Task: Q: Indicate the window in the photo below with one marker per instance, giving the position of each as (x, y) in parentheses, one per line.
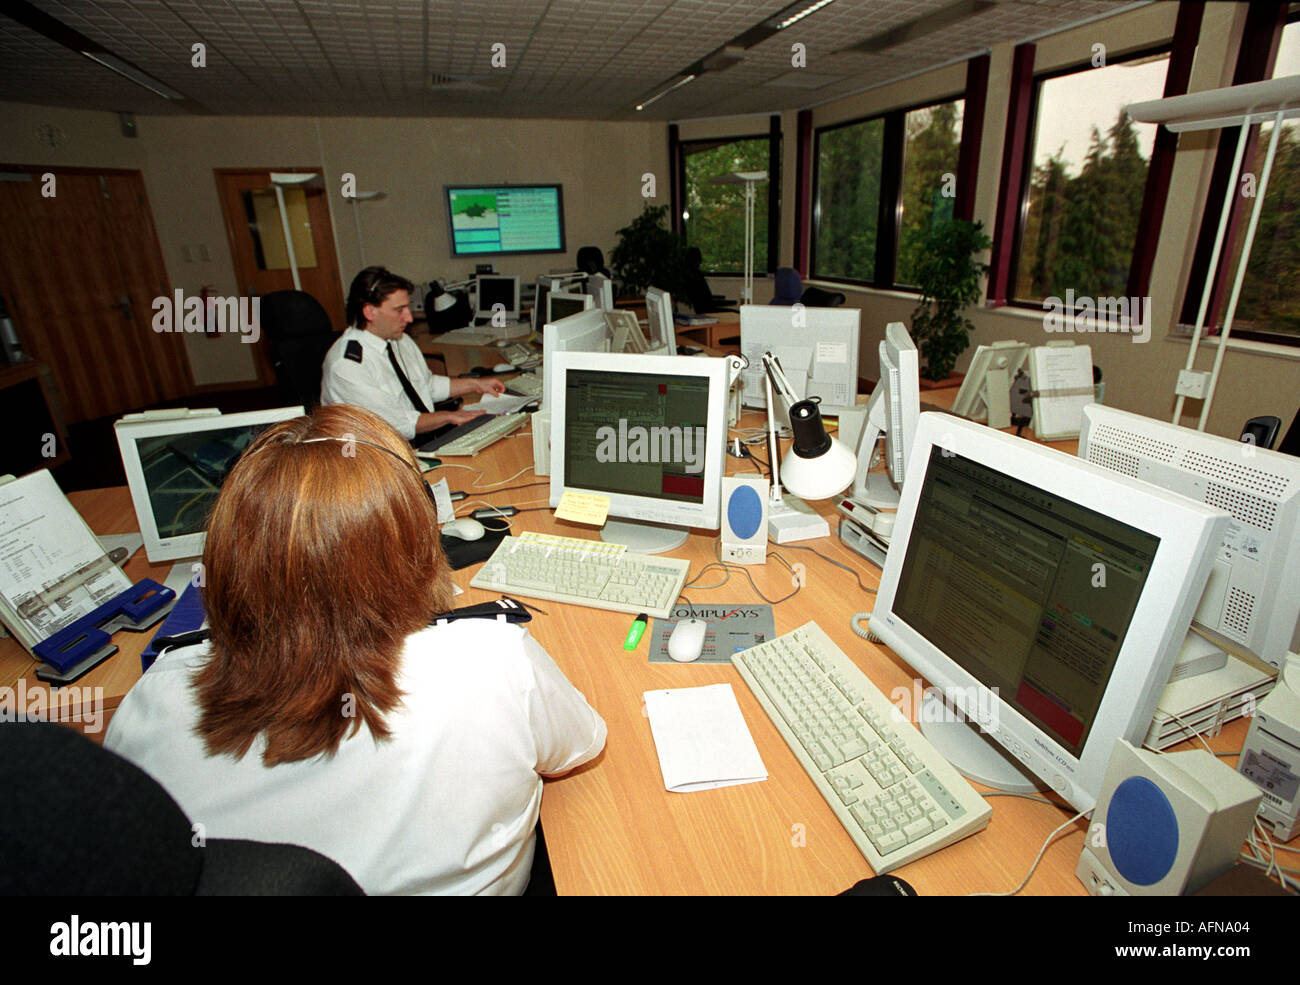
(880, 183)
(929, 178)
(713, 216)
(1086, 180)
(1269, 306)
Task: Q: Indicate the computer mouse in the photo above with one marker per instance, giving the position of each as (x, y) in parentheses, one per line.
(503, 368)
(466, 528)
(687, 640)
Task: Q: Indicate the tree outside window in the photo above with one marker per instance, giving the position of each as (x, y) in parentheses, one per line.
(714, 217)
(933, 144)
(847, 210)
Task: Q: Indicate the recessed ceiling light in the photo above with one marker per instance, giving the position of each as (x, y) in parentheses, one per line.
(129, 71)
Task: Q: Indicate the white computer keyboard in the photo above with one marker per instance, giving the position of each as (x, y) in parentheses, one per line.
(483, 436)
(895, 795)
(526, 384)
(584, 572)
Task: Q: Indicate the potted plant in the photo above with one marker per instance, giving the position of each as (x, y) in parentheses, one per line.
(649, 254)
(949, 278)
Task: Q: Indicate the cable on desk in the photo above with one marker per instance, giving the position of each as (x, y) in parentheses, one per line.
(728, 568)
(855, 623)
(831, 560)
(1039, 798)
(1041, 852)
(1264, 856)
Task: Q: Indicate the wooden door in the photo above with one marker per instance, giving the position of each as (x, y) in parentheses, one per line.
(80, 266)
(256, 235)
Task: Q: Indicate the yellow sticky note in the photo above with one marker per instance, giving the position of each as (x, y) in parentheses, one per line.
(590, 508)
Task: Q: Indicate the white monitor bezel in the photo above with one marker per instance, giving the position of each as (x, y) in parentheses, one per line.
(705, 515)
(898, 354)
(601, 290)
(587, 301)
(512, 312)
(1188, 533)
(159, 548)
(763, 326)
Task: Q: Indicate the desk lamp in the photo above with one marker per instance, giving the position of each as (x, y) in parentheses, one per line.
(279, 181)
(446, 307)
(817, 466)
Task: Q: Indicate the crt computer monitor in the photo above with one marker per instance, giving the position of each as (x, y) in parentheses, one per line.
(648, 432)
(175, 467)
(660, 331)
(493, 290)
(817, 349)
(1043, 597)
(1252, 601)
(585, 331)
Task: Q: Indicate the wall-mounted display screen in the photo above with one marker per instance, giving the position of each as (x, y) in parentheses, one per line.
(487, 219)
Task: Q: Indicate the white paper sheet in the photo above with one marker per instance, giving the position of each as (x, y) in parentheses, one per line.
(701, 738)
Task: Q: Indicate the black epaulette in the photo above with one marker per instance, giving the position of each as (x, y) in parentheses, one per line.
(504, 609)
(353, 351)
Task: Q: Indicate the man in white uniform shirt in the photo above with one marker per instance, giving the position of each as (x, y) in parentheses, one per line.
(376, 365)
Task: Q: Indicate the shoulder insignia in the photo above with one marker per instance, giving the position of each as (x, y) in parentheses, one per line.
(504, 609)
(353, 351)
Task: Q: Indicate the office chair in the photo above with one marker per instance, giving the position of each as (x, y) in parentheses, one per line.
(817, 297)
(789, 287)
(592, 261)
(1291, 441)
(1261, 431)
(300, 333)
(698, 295)
(78, 820)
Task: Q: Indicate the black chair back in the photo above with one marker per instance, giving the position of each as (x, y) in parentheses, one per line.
(299, 333)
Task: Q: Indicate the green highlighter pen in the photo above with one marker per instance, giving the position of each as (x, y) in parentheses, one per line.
(634, 634)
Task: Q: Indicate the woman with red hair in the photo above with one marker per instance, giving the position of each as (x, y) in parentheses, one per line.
(324, 710)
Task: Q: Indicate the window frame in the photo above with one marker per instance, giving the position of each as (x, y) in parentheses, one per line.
(1027, 165)
(1256, 35)
(774, 138)
(889, 211)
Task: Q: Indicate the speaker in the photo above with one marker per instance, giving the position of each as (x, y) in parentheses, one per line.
(744, 519)
(1165, 825)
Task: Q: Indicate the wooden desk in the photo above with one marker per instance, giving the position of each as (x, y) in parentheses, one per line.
(610, 826)
(728, 324)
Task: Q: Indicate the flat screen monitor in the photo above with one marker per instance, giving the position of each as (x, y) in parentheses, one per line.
(175, 468)
(1043, 598)
(601, 289)
(495, 290)
(585, 331)
(1252, 602)
(892, 411)
(660, 332)
(1000, 360)
(648, 432)
(817, 348)
(495, 219)
(562, 304)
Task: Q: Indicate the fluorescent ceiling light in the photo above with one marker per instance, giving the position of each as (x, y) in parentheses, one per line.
(660, 95)
(129, 71)
(794, 18)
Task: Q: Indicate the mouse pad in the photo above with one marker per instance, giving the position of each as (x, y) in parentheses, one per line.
(463, 553)
(731, 628)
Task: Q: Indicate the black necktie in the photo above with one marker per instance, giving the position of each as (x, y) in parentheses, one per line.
(406, 383)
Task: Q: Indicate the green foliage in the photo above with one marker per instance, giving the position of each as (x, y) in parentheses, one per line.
(949, 278)
(716, 213)
(848, 200)
(933, 148)
(649, 253)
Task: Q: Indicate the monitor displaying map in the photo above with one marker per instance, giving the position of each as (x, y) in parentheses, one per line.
(488, 219)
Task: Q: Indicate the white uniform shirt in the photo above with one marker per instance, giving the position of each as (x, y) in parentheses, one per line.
(362, 375)
(448, 804)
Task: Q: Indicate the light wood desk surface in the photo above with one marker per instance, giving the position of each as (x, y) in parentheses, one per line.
(610, 825)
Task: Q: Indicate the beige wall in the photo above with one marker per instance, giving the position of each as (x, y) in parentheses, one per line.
(1256, 379)
(600, 165)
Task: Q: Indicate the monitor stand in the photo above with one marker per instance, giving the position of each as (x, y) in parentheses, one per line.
(642, 537)
(970, 751)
